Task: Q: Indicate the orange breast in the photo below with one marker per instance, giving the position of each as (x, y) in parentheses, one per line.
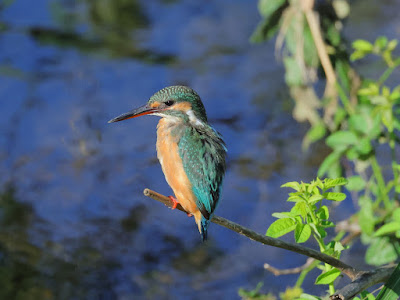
(171, 164)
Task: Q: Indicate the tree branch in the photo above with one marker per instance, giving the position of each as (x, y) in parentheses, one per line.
(296, 270)
(364, 281)
(351, 272)
(315, 29)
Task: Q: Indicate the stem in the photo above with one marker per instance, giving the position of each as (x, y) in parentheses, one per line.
(305, 272)
(381, 182)
(331, 288)
(345, 99)
(387, 73)
(392, 144)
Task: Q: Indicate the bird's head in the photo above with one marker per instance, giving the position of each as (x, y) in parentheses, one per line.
(173, 102)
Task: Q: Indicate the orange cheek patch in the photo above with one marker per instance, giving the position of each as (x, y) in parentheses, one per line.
(155, 104)
(183, 106)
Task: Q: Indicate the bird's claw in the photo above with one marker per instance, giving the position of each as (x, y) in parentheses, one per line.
(174, 202)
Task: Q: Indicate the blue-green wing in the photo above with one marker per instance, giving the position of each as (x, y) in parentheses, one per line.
(203, 152)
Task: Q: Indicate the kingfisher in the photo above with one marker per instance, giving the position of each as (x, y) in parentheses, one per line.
(191, 152)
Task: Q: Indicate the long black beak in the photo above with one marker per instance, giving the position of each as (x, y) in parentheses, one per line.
(137, 112)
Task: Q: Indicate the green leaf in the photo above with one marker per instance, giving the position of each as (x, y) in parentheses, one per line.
(310, 51)
(342, 8)
(283, 215)
(315, 133)
(396, 214)
(268, 7)
(335, 196)
(358, 54)
(271, 10)
(366, 216)
(371, 89)
(308, 297)
(367, 296)
(341, 138)
(329, 162)
(281, 227)
(363, 45)
(358, 123)
(381, 42)
(376, 127)
(295, 198)
(264, 30)
(318, 230)
(315, 230)
(352, 154)
(392, 45)
(387, 119)
(380, 252)
(340, 115)
(302, 232)
(321, 231)
(391, 290)
(330, 183)
(379, 100)
(327, 224)
(315, 198)
(388, 228)
(355, 183)
(328, 277)
(394, 96)
(364, 146)
(300, 209)
(323, 213)
(294, 73)
(338, 247)
(292, 184)
(312, 188)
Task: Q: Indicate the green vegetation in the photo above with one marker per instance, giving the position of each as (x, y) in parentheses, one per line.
(358, 119)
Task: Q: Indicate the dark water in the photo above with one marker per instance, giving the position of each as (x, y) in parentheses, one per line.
(74, 223)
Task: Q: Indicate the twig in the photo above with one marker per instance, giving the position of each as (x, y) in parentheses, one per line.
(364, 281)
(330, 89)
(319, 42)
(278, 272)
(351, 272)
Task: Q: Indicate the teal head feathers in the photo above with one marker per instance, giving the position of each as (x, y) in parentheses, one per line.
(191, 153)
(174, 101)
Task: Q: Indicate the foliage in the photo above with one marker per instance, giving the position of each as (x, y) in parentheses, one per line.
(255, 294)
(359, 120)
(392, 288)
(309, 217)
(370, 125)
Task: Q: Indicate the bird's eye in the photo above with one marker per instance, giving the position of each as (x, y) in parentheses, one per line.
(169, 102)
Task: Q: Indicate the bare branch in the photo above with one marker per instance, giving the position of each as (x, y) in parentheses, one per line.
(364, 281)
(278, 272)
(312, 19)
(351, 272)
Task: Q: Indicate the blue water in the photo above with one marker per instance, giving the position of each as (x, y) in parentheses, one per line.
(87, 231)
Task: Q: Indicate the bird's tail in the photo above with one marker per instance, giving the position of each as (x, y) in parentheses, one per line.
(202, 223)
(204, 226)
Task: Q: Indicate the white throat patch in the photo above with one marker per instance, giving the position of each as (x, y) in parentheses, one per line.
(193, 119)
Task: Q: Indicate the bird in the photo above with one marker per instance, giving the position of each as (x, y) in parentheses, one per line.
(191, 152)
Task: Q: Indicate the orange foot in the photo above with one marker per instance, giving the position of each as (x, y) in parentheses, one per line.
(174, 201)
(189, 215)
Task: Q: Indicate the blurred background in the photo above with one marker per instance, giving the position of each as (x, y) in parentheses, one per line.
(74, 223)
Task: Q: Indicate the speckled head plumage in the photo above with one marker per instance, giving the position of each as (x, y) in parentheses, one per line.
(176, 101)
(179, 98)
(191, 153)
